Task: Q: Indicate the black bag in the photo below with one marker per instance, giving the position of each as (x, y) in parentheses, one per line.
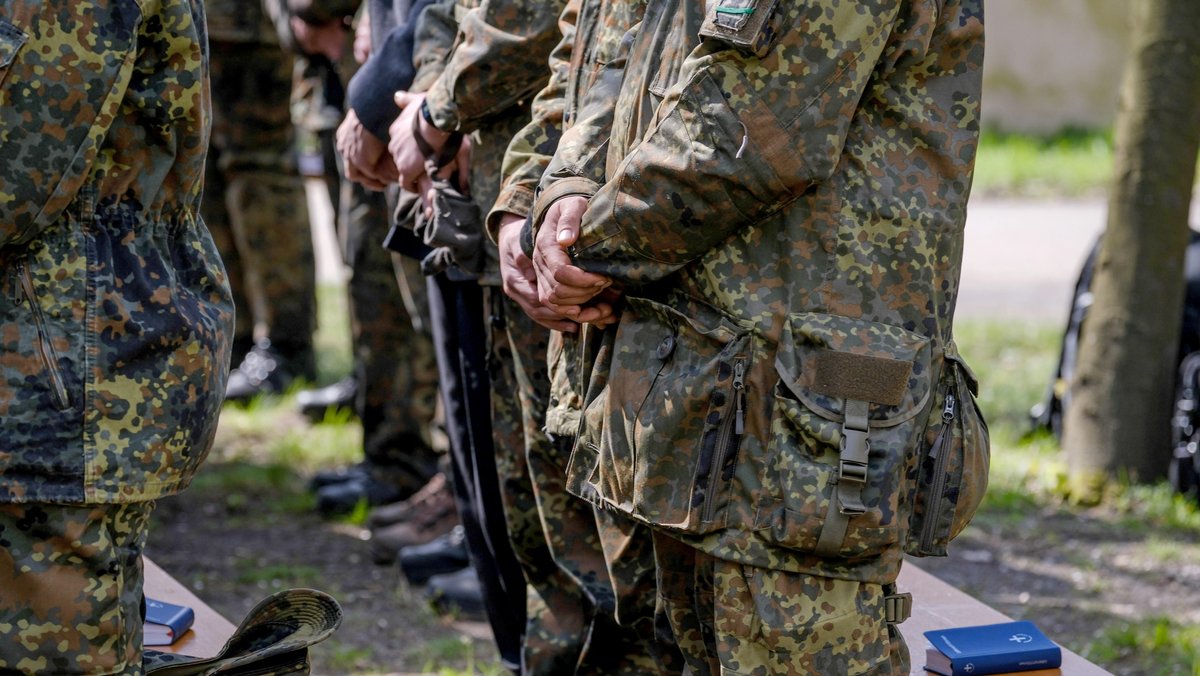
(1184, 461)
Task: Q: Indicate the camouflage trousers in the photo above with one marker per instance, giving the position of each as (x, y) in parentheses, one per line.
(255, 204)
(734, 619)
(571, 606)
(71, 588)
(393, 351)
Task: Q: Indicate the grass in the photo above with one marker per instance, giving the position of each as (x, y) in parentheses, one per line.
(1175, 647)
(1071, 163)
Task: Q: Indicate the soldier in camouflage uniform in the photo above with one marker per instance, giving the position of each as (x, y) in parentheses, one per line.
(571, 627)
(255, 200)
(610, 555)
(478, 90)
(116, 316)
(782, 210)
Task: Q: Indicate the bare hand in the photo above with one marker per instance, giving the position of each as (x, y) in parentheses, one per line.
(520, 280)
(364, 154)
(561, 285)
(406, 154)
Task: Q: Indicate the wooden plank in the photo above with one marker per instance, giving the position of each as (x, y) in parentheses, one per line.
(210, 630)
(937, 605)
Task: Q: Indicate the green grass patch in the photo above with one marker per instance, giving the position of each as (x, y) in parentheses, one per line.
(341, 658)
(1013, 362)
(1155, 506)
(254, 490)
(1071, 163)
(270, 430)
(440, 653)
(1175, 646)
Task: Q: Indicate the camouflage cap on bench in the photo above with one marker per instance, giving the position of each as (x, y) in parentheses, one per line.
(273, 640)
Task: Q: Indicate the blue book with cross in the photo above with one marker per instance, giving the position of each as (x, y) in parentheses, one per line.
(991, 649)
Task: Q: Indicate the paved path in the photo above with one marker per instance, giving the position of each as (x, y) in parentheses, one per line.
(1022, 257)
(1020, 262)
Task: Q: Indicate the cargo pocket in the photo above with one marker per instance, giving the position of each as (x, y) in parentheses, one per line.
(665, 432)
(952, 474)
(846, 415)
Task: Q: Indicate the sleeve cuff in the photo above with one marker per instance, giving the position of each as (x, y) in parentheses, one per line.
(563, 187)
(515, 200)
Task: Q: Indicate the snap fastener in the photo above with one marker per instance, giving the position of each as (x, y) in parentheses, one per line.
(666, 347)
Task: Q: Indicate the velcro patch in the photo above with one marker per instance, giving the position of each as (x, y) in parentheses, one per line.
(860, 377)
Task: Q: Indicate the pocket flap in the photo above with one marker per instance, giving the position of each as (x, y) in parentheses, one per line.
(825, 359)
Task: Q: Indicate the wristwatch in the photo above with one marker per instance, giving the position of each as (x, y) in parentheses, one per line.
(427, 115)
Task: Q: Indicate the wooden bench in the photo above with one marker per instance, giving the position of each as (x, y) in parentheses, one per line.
(936, 605)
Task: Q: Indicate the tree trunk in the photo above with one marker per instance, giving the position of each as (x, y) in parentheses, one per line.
(1118, 421)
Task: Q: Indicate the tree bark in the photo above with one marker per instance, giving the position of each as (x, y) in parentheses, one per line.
(1118, 421)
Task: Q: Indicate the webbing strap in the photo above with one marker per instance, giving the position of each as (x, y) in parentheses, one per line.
(851, 478)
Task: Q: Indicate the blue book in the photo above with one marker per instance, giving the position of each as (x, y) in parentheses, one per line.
(165, 622)
(991, 649)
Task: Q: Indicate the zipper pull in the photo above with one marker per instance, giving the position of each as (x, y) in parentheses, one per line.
(947, 417)
(16, 294)
(948, 409)
(739, 397)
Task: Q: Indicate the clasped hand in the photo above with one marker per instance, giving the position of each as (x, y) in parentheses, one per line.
(550, 288)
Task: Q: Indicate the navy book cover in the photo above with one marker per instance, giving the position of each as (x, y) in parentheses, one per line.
(165, 622)
(991, 649)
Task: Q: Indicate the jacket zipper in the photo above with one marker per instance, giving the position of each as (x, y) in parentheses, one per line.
(45, 347)
(938, 453)
(731, 432)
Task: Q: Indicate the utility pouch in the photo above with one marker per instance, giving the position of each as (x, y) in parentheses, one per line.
(952, 474)
(846, 419)
(661, 440)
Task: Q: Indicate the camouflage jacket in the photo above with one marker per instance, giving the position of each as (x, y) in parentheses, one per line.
(114, 307)
(783, 205)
